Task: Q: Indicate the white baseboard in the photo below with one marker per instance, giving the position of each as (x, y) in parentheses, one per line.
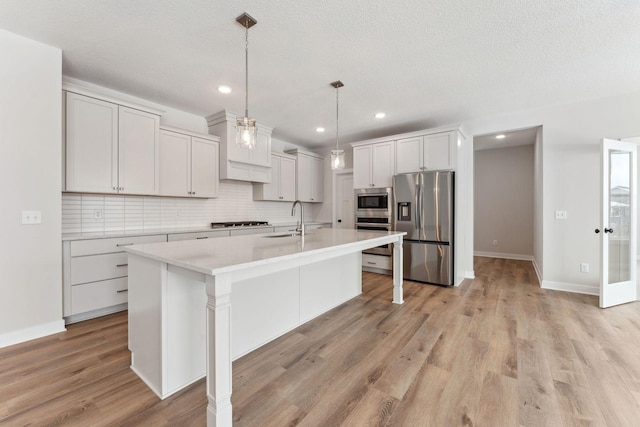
(505, 256)
(537, 270)
(571, 287)
(31, 333)
(470, 274)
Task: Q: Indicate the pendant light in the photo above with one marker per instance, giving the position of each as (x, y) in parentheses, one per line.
(246, 131)
(337, 155)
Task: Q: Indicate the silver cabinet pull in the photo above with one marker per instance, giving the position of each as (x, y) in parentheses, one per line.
(121, 265)
(205, 237)
(122, 291)
(124, 244)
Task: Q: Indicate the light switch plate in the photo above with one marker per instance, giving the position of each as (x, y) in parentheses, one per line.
(31, 217)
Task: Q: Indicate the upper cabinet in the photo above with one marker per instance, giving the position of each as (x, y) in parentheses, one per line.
(188, 164)
(373, 165)
(428, 152)
(283, 180)
(237, 162)
(309, 176)
(110, 148)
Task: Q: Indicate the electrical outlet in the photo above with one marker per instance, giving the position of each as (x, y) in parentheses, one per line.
(31, 217)
(97, 214)
(494, 243)
(561, 215)
(584, 267)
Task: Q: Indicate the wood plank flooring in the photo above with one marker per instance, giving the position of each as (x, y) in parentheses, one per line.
(496, 351)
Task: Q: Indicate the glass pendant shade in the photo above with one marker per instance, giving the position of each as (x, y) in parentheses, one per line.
(246, 132)
(337, 159)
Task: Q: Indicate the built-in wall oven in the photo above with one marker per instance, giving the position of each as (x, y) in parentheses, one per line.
(374, 212)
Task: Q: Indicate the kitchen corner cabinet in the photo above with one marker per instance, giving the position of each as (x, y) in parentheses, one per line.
(236, 162)
(283, 180)
(188, 164)
(428, 152)
(309, 176)
(373, 165)
(110, 148)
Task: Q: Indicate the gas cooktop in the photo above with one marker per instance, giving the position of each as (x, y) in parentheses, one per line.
(238, 224)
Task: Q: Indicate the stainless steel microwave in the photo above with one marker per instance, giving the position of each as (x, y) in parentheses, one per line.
(373, 202)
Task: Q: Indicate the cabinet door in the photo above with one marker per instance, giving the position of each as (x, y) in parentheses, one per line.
(304, 174)
(91, 145)
(138, 151)
(317, 180)
(175, 164)
(261, 153)
(271, 190)
(362, 167)
(383, 164)
(204, 168)
(409, 155)
(287, 179)
(438, 151)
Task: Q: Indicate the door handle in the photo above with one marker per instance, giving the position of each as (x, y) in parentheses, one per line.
(597, 230)
(608, 230)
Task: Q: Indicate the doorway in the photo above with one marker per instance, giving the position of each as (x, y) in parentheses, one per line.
(505, 195)
(343, 215)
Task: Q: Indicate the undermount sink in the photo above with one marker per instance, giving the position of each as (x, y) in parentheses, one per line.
(288, 234)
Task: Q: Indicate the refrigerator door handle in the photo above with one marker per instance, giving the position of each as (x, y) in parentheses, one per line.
(418, 207)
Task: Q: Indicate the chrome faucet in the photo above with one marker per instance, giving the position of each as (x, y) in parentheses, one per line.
(300, 226)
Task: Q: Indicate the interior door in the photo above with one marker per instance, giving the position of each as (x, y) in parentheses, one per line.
(619, 221)
(345, 210)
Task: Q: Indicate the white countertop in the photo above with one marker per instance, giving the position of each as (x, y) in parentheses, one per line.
(227, 254)
(149, 232)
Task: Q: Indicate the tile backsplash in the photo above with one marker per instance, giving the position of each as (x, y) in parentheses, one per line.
(83, 213)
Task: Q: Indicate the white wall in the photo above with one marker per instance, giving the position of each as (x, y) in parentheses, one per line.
(30, 137)
(571, 139)
(503, 201)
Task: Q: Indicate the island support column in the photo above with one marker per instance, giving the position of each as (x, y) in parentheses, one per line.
(219, 410)
(398, 297)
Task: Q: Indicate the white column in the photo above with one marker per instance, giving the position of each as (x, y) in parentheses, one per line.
(219, 410)
(397, 272)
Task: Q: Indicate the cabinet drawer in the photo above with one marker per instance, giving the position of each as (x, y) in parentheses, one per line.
(194, 236)
(92, 296)
(105, 246)
(92, 268)
(240, 231)
(376, 261)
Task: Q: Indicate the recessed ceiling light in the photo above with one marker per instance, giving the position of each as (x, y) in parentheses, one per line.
(224, 89)
(501, 136)
(379, 115)
(319, 129)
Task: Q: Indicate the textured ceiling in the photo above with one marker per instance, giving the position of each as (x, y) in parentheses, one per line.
(424, 62)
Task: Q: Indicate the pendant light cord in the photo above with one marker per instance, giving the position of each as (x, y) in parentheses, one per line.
(246, 69)
(337, 116)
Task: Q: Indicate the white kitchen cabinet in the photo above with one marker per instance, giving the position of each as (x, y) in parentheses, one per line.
(197, 235)
(188, 164)
(428, 152)
(373, 165)
(283, 180)
(95, 275)
(236, 162)
(110, 148)
(309, 176)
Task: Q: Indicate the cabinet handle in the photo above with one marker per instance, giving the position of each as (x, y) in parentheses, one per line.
(122, 291)
(115, 188)
(121, 265)
(372, 263)
(312, 198)
(124, 244)
(205, 237)
(193, 193)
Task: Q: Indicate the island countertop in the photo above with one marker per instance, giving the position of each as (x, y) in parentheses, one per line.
(227, 254)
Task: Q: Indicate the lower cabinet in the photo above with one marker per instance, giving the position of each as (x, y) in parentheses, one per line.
(377, 263)
(95, 275)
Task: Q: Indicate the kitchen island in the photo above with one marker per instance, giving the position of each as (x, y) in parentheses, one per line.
(195, 306)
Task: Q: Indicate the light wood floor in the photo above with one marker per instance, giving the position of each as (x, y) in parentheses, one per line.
(496, 351)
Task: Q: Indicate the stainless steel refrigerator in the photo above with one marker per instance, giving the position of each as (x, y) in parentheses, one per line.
(424, 208)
